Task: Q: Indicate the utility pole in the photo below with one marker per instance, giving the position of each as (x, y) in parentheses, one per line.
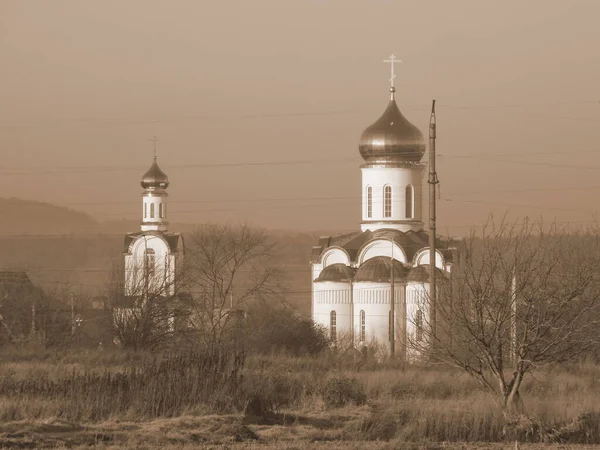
(433, 181)
(392, 318)
(72, 315)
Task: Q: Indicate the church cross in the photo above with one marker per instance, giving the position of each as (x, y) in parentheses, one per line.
(154, 140)
(392, 61)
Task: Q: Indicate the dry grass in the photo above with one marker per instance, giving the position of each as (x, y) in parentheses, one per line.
(119, 399)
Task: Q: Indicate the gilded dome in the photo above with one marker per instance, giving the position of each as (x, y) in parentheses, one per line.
(392, 138)
(155, 178)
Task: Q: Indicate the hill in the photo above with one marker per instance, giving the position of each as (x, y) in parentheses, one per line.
(31, 217)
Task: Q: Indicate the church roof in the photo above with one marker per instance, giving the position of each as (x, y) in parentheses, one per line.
(420, 274)
(410, 241)
(392, 138)
(378, 269)
(336, 272)
(155, 177)
(171, 238)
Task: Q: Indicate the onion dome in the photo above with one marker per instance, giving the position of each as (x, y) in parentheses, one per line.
(155, 178)
(377, 269)
(392, 138)
(336, 272)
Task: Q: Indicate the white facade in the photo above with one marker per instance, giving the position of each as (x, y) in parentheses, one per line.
(154, 210)
(392, 197)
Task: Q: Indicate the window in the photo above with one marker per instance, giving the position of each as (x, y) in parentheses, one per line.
(150, 261)
(369, 201)
(152, 210)
(145, 210)
(410, 201)
(419, 324)
(333, 326)
(363, 331)
(387, 201)
(391, 326)
(160, 210)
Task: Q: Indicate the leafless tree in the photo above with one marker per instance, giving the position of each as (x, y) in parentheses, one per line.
(144, 311)
(521, 296)
(227, 266)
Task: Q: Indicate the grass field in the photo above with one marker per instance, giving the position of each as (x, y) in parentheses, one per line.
(125, 400)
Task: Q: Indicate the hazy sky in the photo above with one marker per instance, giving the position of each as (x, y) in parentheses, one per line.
(86, 84)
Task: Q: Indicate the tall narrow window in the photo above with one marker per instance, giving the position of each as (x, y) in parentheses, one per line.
(160, 210)
(391, 326)
(363, 331)
(410, 201)
(152, 210)
(387, 201)
(145, 210)
(150, 261)
(419, 325)
(333, 326)
(369, 201)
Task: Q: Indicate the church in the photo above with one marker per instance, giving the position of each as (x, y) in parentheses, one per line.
(153, 256)
(352, 275)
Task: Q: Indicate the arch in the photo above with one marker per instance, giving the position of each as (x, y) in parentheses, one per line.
(333, 326)
(422, 258)
(335, 255)
(409, 201)
(152, 210)
(387, 201)
(363, 326)
(381, 247)
(369, 202)
(419, 325)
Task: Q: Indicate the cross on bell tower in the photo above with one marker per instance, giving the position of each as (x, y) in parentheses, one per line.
(392, 60)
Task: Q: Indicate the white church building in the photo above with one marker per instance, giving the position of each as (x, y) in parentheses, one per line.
(153, 255)
(351, 276)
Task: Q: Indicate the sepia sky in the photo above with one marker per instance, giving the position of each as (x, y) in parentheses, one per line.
(258, 105)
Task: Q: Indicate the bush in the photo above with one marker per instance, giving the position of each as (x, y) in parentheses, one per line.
(341, 390)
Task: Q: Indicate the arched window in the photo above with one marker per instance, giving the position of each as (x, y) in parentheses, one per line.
(333, 326)
(369, 201)
(391, 326)
(363, 331)
(145, 210)
(387, 201)
(152, 210)
(150, 261)
(419, 325)
(160, 210)
(410, 201)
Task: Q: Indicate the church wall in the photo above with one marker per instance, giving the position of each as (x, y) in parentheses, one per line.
(397, 178)
(417, 299)
(333, 296)
(135, 264)
(374, 300)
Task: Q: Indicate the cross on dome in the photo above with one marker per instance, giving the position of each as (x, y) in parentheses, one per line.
(154, 140)
(392, 61)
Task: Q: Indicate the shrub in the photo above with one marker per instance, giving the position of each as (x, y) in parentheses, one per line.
(341, 390)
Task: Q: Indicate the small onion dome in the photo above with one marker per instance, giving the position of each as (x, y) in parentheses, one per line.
(155, 178)
(392, 139)
(377, 269)
(420, 274)
(336, 272)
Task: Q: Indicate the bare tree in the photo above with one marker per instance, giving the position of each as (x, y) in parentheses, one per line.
(520, 297)
(227, 266)
(145, 308)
